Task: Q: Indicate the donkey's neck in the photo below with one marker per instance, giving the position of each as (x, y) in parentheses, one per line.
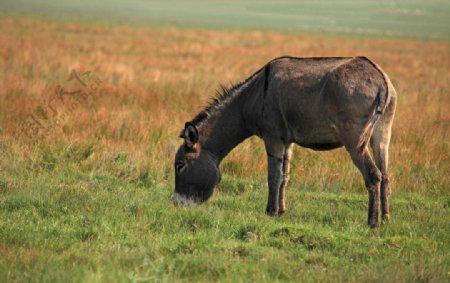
(225, 123)
(225, 130)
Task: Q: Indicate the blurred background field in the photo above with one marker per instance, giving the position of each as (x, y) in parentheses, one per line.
(88, 199)
(427, 19)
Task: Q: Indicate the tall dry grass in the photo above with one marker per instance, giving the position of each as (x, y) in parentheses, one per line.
(153, 80)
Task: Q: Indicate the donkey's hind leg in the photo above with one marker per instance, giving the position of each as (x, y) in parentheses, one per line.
(286, 166)
(372, 177)
(380, 146)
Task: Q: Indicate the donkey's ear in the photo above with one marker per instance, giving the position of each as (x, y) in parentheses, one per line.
(190, 134)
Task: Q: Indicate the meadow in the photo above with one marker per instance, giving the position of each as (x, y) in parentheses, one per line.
(84, 192)
(400, 18)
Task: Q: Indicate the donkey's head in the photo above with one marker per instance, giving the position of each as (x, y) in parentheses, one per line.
(196, 171)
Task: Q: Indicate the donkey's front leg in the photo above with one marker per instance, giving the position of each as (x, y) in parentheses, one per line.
(275, 151)
(286, 161)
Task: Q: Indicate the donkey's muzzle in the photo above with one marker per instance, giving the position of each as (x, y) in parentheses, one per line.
(179, 199)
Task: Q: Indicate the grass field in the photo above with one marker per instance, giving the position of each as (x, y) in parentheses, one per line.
(84, 194)
(405, 18)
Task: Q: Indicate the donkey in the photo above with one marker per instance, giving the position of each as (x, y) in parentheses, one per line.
(317, 103)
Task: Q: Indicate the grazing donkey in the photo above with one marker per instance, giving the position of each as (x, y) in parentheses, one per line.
(318, 103)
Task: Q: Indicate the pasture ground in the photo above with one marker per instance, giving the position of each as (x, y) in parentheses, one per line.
(88, 199)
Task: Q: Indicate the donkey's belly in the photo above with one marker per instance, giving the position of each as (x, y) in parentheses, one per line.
(318, 138)
(322, 146)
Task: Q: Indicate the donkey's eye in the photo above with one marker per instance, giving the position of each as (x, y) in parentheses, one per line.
(179, 167)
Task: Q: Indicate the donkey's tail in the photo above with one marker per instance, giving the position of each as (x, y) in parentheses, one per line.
(368, 128)
(382, 100)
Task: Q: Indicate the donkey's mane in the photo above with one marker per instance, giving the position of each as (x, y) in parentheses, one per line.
(224, 95)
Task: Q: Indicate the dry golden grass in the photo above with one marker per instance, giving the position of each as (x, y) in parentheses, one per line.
(153, 80)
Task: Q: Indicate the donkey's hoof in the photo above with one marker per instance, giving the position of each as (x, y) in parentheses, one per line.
(386, 218)
(272, 211)
(281, 211)
(373, 223)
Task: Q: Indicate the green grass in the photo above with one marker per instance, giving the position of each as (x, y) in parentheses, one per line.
(424, 19)
(67, 217)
